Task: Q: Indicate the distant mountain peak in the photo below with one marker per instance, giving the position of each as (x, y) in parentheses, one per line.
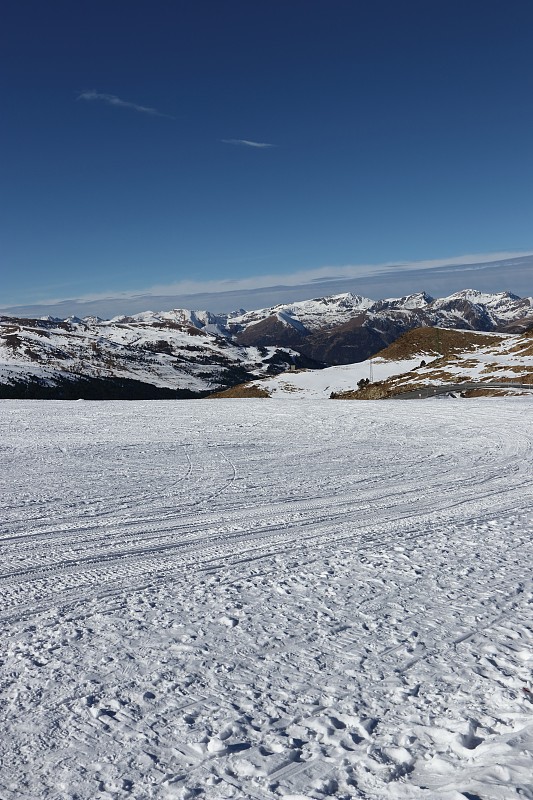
(483, 298)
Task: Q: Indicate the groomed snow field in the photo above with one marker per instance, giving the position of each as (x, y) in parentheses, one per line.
(250, 599)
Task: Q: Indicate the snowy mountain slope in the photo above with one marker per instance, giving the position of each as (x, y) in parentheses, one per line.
(165, 355)
(323, 312)
(409, 302)
(260, 601)
(501, 306)
(203, 320)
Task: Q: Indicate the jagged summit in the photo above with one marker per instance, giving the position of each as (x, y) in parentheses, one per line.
(406, 303)
(484, 298)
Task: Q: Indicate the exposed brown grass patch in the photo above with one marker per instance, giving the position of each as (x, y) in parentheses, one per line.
(435, 341)
(241, 390)
(374, 391)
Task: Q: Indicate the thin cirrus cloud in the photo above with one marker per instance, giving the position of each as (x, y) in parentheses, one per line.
(325, 274)
(247, 143)
(485, 271)
(113, 100)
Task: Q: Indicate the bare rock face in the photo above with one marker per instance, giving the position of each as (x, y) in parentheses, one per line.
(271, 332)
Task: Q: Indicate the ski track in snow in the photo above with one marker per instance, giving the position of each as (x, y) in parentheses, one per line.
(248, 599)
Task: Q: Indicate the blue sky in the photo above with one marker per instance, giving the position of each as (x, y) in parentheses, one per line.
(396, 132)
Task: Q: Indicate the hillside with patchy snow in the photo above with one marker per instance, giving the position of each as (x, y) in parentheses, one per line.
(147, 357)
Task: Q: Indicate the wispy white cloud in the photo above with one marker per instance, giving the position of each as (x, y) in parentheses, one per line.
(247, 143)
(333, 273)
(113, 100)
(314, 275)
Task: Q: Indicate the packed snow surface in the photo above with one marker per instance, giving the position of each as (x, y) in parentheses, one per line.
(247, 599)
(320, 383)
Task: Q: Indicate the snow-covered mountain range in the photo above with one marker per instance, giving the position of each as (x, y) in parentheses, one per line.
(183, 353)
(467, 308)
(347, 328)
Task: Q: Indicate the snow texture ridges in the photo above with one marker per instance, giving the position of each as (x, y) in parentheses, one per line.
(263, 600)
